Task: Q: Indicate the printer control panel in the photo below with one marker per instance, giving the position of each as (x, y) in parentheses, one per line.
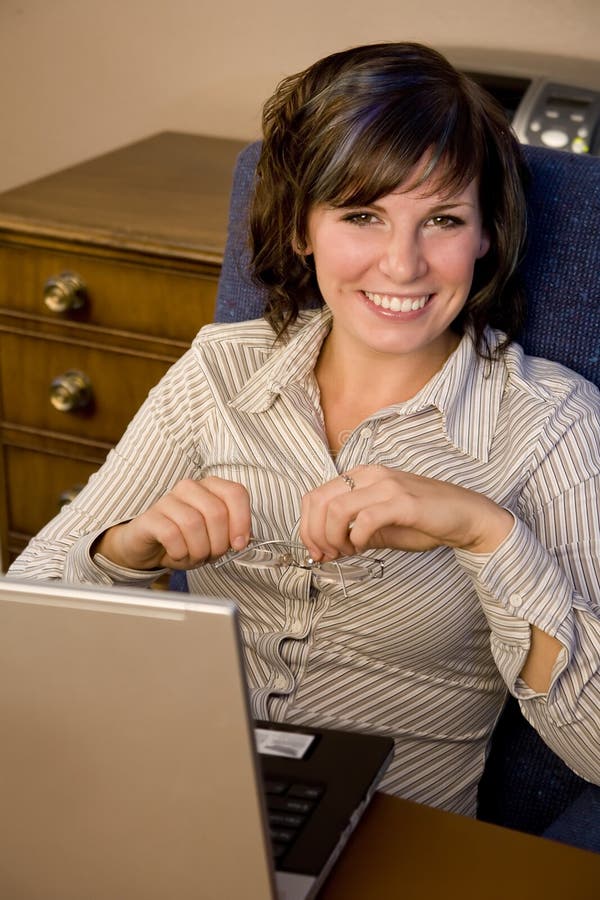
(547, 113)
(561, 117)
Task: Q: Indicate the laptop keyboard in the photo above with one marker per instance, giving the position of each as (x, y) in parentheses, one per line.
(289, 805)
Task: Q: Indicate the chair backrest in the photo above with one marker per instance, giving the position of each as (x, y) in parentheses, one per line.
(561, 268)
(525, 785)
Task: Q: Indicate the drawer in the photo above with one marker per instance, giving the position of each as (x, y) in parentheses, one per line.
(120, 381)
(36, 481)
(162, 297)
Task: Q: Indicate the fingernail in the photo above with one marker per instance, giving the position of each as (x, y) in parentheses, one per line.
(239, 542)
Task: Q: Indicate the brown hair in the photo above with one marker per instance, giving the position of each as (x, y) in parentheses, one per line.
(349, 130)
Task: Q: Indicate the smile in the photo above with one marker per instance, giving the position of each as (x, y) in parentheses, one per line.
(397, 304)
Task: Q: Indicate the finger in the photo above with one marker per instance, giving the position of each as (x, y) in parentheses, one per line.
(312, 518)
(326, 514)
(341, 521)
(183, 531)
(225, 510)
(237, 501)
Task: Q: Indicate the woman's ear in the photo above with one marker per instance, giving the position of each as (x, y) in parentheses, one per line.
(484, 244)
(301, 248)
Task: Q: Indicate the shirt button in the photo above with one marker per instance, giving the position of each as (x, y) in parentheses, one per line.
(366, 433)
(515, 600)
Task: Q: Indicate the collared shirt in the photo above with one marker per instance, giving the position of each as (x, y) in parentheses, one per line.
(425, 652)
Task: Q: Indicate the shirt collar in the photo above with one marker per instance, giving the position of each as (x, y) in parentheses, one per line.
(291, 362)
(467, 390)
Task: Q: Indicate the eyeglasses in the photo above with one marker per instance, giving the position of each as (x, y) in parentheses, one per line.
(283, 554)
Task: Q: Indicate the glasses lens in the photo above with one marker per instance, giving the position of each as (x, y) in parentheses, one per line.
(262, 558)
(351, 571)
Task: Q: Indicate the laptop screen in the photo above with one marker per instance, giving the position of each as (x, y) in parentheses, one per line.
(127, 755)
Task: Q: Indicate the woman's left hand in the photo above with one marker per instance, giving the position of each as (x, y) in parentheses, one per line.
(377, 507)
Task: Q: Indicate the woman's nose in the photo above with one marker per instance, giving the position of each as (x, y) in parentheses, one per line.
(403, 259)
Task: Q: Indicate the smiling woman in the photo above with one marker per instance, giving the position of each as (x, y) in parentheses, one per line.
(396, 276)
(381, 428)
(358, 126)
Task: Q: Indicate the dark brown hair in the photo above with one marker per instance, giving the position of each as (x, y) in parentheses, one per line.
(349, 130)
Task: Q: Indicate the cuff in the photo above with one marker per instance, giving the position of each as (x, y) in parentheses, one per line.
(521, 580)
(520, 584)
(81, 566)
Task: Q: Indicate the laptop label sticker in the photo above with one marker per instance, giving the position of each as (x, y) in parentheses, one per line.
(282, 743)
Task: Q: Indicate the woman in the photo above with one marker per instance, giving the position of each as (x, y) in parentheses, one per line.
(402, 504)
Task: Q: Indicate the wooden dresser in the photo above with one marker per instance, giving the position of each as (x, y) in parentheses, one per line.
(107, 271)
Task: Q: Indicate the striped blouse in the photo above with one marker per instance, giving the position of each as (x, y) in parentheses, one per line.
(424, 653)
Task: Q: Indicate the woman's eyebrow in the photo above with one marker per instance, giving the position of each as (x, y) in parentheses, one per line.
(441, 205)
(452, 204)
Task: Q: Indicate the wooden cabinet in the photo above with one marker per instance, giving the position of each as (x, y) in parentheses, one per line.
(108, 270)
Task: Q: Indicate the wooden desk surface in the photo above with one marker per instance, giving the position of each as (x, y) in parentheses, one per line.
(166, 193)
(406, 851)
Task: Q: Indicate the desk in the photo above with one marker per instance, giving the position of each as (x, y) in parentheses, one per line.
(404, 850)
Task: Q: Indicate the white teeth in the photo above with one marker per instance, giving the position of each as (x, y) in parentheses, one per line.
(397, 304)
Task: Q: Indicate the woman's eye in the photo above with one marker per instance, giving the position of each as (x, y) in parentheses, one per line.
(361, 218)
(445, 221)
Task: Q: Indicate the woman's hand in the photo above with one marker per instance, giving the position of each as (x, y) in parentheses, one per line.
(387, 508)
(194, 522)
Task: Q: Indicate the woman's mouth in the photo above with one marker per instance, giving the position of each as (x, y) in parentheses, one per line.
(396, 303)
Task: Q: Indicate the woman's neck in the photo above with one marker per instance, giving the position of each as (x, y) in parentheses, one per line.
(353, 388)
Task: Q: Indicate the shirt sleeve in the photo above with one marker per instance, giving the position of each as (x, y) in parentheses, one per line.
(157, 450)
(547, 573)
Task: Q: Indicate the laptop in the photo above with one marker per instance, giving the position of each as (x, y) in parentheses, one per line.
(130, 766)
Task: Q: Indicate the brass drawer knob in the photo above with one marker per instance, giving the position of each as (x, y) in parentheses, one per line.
(65, 293)
(70, 391)
(68, 495)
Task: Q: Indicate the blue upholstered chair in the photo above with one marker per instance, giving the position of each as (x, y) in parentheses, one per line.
(525, 785)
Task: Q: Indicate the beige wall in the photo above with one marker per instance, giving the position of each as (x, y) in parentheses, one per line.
(79, 77)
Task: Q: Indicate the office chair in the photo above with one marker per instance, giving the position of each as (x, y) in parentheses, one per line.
(525, 785)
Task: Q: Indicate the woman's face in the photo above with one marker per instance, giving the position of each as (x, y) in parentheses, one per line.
(396, 273)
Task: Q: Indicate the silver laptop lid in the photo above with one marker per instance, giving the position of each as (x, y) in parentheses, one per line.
(127, 758)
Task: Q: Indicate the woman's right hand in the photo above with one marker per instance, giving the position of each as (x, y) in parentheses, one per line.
(196, 521)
